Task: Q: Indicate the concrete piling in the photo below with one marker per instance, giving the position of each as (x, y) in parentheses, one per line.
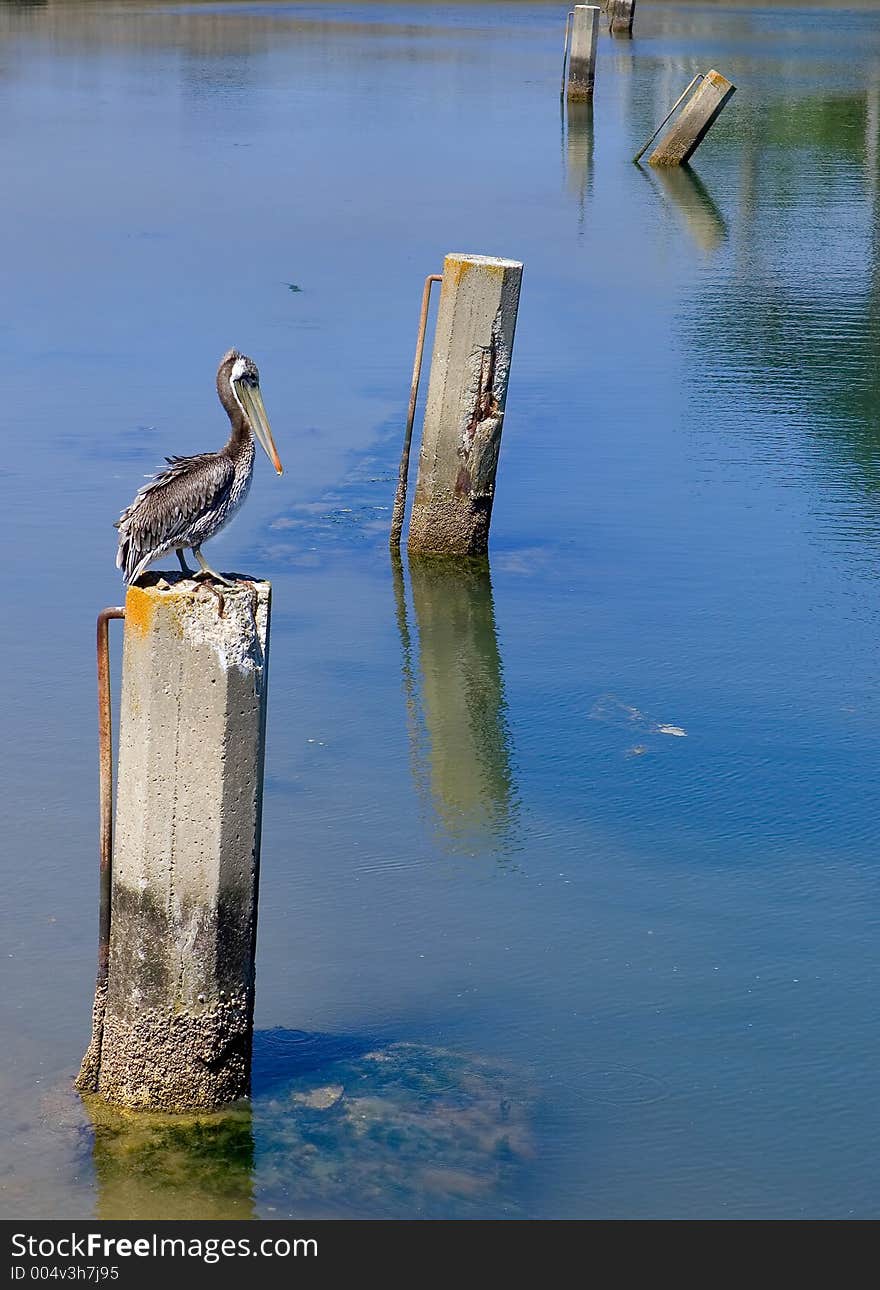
(177, 1016)
(582, 58)
(693, 123)
(620, 14)
(464, 412)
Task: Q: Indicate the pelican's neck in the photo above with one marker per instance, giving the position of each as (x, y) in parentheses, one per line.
(241, 435)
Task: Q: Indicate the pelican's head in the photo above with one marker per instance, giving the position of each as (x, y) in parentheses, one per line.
(245, 381)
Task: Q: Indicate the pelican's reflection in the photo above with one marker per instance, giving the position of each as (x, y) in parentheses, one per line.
(459, 737)
(693, 201)
(578, 140)
(152, 1166)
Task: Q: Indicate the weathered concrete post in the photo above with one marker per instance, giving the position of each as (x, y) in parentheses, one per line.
(178, 1013)
(620, 17)
(582, 59)
(464, 412)
(696, 118)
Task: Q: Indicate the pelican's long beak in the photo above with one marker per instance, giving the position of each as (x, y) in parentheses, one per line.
(252, 402)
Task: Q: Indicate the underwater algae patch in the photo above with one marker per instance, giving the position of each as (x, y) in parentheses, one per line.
(402, 1131)
(150, 1165)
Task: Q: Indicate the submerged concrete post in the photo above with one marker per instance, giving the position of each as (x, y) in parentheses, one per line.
(620, 16)
(582, 59)
(149, 1165)
(178, 1011)
(464, 413)
(698, 115)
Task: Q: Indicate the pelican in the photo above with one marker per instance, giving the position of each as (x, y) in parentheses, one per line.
(191, 500)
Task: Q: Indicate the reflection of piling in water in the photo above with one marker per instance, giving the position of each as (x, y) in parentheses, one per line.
(464, 413)
(462, 698)
(415, 735)
(174, 1022)
(579, 147)
(150, 1166)
(691, 198)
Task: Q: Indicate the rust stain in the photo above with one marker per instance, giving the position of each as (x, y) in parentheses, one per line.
(463, 482)
(139, 611)
(486, 404)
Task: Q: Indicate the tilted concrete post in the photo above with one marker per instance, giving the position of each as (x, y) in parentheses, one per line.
(464, 413)
(620, 16)
(690, 128)
(178, 1012)
(582, 59)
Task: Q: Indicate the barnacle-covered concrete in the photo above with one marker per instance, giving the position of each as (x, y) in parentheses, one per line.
(174, 1030)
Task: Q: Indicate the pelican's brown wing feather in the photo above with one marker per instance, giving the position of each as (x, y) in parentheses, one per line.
(167, 509)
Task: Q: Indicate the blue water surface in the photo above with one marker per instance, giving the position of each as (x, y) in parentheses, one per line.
(602, 816)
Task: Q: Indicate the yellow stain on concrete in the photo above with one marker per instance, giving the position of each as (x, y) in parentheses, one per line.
(720, 82)
(455, 267)
(454, 270)
(143, 603)
(139, 611)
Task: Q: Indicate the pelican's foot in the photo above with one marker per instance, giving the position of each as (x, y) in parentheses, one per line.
(206, 570)
(211, 573)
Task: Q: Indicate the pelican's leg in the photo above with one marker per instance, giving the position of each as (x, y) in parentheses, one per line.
(205, 568)
(183, 564)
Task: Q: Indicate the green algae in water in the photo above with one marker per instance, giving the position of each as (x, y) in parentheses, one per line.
(403, 1131)
(172, 1166)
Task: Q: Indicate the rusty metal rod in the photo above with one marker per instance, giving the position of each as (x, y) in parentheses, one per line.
(403, 470)
(568, 20)
(680, 99)
(105, 789)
